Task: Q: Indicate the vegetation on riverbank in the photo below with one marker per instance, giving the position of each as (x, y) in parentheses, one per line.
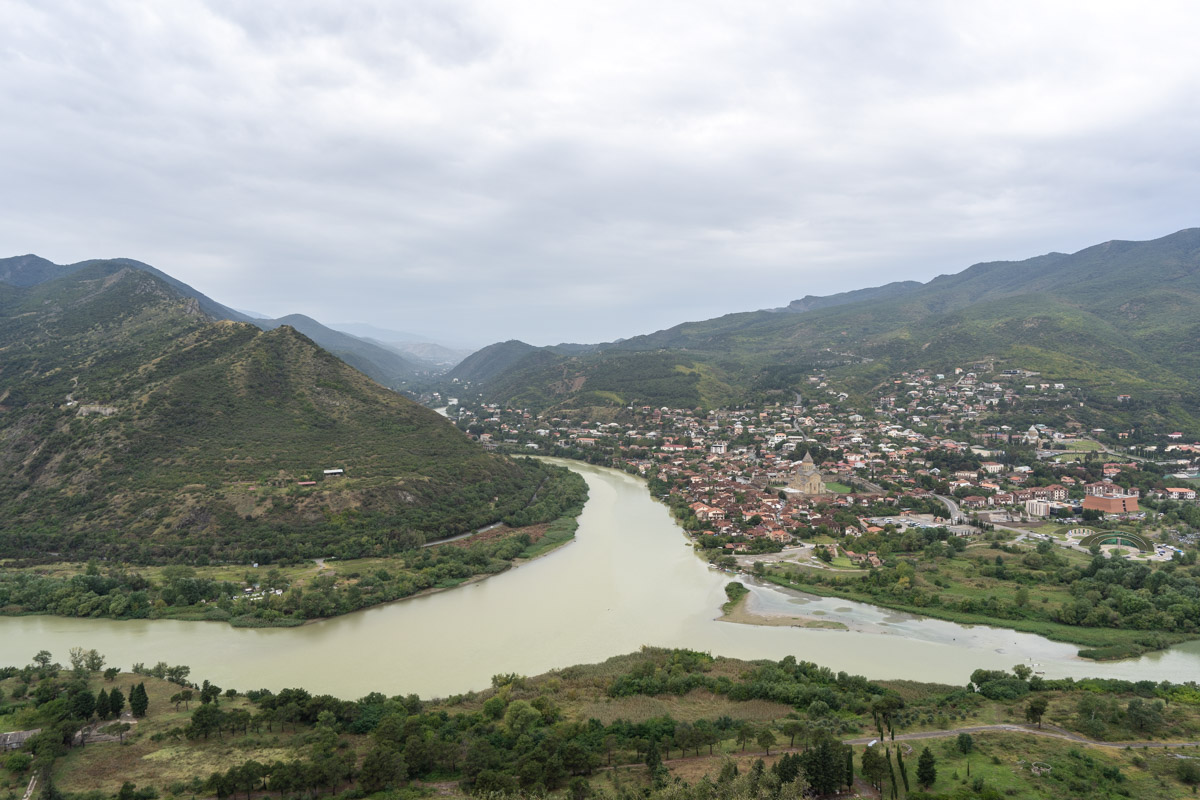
(273, 596)
(1112, 607)
(667, 723)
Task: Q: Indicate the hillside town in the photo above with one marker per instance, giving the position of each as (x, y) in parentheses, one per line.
(933, 447)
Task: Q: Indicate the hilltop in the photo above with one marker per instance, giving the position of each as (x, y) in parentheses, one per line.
(136, 426)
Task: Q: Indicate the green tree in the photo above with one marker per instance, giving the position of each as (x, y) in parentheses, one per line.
(383, 768)
(791, 727)
(965, 743)
(93, 661)
(766, 739)
(745, 734)
(103, 709)
(1035, 709)
(83, 704)
(874, 767)
(926, 768)
(18, 763)
(825, 765)
(138, 700)
(1143, 716)
(116, 701)
(206, 719)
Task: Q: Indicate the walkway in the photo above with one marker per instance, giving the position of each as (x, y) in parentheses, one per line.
(1051, 731)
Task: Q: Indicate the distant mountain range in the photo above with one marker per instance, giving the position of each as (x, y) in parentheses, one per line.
(1117, 317)
(142, 421)
(394, 365)
(410, 344)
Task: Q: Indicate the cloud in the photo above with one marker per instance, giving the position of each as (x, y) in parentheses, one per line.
(555, 171)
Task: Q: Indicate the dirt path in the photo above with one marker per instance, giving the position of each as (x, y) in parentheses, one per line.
(1050, 731)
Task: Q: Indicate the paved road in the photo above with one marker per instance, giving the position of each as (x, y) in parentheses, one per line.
(955, 512)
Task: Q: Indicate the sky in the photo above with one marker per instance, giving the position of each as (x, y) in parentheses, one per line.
(559, 171)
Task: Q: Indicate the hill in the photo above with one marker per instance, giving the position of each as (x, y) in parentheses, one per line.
(135, 426)
(1120, 317)
(387, 367)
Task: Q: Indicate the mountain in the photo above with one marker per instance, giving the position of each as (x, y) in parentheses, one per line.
(134, 425)
(390, 368)
(386, 366)
(812, 302)
(495, 359)
(30, 270)
(1119, 317)
(409, 345)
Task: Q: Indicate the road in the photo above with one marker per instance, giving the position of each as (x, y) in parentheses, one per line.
(1051, 732)
(956, 515)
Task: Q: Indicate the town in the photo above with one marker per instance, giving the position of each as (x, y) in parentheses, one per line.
(929, 450)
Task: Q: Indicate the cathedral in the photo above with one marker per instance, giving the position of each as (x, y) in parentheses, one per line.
(807, 479)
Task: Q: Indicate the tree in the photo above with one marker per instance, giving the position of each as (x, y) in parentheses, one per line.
(791, 727)
(383, 768)
(93, 661)
(83, 704)
(766, 738)
(206, 719)
(965, 743)
(926, 768)
(111, 674)
(103, 709)
(825, 765)
(1035, 709)
(138, 700)
(116, 701)
(874, 768)
(1143, 716)
(745, 734)
(42, 659)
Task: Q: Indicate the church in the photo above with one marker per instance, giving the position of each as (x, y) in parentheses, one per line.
(807, 479)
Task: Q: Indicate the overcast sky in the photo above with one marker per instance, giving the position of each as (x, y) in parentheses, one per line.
(561, 171)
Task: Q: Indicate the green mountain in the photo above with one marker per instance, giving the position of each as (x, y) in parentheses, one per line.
(135, 426)
(378, 362)
(1120, 317)
(384, 365)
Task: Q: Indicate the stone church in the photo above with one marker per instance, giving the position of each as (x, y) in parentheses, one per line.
(807, 479)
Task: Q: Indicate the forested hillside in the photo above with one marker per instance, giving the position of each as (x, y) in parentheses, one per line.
(133, 426)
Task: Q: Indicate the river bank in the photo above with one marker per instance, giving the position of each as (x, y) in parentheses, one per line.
(631, 578)
(736, 611)
(1098, 644)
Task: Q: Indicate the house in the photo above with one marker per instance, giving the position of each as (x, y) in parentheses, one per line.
(1181, 494)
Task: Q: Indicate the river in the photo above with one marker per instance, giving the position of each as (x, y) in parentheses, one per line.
(630, 578)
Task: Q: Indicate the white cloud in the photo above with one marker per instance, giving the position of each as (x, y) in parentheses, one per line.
(558, 171)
